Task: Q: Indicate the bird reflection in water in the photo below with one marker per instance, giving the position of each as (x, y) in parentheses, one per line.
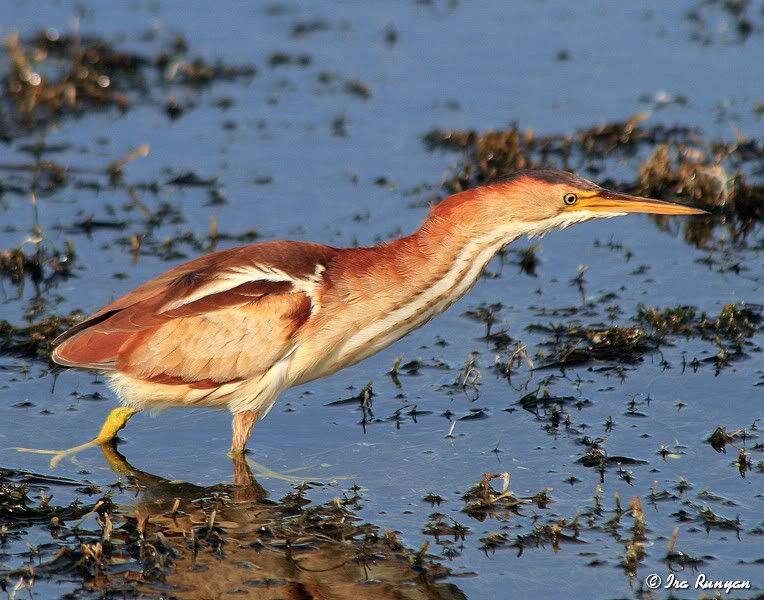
(231, 539)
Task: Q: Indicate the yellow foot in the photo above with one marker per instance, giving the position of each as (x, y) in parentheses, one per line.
(116, 420)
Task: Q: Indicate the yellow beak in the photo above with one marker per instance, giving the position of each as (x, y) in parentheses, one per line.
(616, 202)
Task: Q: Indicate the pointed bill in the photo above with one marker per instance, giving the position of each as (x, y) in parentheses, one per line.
(616, 202)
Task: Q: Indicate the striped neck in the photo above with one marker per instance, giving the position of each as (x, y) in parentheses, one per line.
(418, 277)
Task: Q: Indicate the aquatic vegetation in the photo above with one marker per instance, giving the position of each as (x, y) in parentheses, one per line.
(148, 534)
(85, 79)
(42, 265)
(36, 339)
(720, 438)
(483, 500)
(53, 73)
(573, 344)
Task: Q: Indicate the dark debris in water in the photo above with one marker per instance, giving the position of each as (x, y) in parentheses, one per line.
(720, 438)
(36, 262)
(531, 523)
(52, 74)
(483, 500)
(36, 339)
(83, 72)
(573, 344)
(148, 535)
(628, 526)
(739, 20)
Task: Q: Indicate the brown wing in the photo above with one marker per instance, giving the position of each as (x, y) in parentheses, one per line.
(223, 317)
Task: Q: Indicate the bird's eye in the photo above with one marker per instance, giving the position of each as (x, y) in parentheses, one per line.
(570, 199)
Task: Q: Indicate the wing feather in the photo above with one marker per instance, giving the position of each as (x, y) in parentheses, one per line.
(221, 318)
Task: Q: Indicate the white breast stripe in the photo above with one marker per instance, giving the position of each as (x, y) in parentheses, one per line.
(233, 278)
(462, 275)
(400, 322)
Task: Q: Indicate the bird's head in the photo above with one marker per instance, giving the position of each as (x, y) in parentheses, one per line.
(534, 202)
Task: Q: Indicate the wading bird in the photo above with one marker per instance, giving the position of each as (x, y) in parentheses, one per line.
(235, 328)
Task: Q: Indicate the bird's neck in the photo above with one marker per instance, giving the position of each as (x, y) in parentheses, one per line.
(399, 286)
(456, 233)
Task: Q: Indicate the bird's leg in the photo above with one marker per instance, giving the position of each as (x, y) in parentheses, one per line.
(116, 420)
(243, 422)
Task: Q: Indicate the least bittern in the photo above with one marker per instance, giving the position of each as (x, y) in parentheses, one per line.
(235, 328)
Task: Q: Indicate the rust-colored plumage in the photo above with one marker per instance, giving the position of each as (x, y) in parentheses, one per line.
(234, 328)
(127, 335)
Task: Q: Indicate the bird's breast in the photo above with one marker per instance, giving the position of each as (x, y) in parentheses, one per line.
(357, 331)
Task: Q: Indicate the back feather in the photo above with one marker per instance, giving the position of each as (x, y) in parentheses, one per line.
(202, 322)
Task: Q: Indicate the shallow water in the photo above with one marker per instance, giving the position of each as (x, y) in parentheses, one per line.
(452, 66)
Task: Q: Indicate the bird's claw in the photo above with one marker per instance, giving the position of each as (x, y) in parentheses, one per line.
(263, 472)
(59, 455)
